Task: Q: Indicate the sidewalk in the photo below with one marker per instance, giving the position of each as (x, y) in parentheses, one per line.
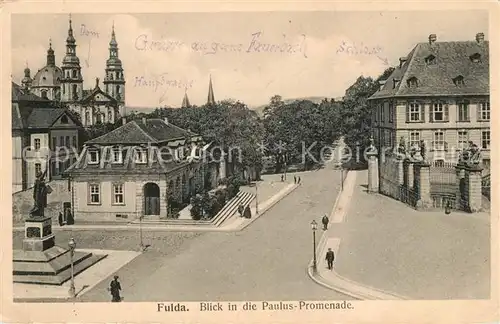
(233, 224)
(391, 251)
(83, 281)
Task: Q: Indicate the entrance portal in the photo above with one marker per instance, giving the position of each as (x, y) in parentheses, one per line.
(151, 199)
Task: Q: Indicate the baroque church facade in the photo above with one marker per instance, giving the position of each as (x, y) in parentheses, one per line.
(64, 84)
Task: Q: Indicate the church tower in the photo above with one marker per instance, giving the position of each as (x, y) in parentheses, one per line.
(211, 97)
(27, 81)
(72, 81)
(185, 101)
(114, 82)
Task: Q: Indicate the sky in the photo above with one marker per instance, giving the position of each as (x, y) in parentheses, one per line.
(249, 56)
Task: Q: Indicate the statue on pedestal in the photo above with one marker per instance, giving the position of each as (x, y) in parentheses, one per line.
(423, 150)
(471, 156)
(40, 192)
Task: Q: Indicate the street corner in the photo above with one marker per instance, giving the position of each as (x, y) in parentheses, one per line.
(321, 274)
(83, 282)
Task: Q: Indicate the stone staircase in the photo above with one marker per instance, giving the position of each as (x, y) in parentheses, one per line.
(229, 210)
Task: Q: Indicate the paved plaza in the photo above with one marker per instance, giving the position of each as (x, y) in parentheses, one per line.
(386, 245)
(264, 261)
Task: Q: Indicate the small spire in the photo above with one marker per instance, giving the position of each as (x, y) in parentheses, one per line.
(97, 83)
(185, 100)
(211, 97)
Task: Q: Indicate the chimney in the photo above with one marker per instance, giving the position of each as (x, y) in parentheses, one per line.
(480, 37)
(402, 61)
(432, 38)
(124, 120)
(144, 120)
(165, 120)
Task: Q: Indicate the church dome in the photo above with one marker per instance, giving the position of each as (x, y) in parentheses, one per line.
(47, 76)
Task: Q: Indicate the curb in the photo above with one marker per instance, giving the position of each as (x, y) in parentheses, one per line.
(121, 227)
(262, 212)
(317, 278)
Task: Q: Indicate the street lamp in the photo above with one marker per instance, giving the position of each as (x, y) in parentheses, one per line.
(256, 197)
(314, 227)
(72, 246)
(141, 244)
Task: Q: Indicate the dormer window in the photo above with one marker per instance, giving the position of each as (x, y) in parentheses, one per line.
(93, 156)
(116, 155)
(459, 80)
(140, 155)
(475, 58)
(430, 60)
(412, 82)
(395, 83)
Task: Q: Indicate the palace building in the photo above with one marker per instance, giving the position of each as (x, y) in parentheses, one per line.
(439, 93)
(141, 168)
(64, 84)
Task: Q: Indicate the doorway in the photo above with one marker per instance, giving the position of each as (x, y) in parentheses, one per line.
(151, 199)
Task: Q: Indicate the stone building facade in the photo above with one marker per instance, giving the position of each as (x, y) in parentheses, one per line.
(141, 168)
(439, 94)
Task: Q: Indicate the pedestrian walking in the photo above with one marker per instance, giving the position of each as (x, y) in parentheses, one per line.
(282, 176)
(325, 222)
(60, 219)
(295, 179)
(115, 288)
(330, 256)
(240, 210)
(298, 180)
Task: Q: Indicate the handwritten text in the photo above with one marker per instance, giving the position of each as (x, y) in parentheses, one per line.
(85, 31)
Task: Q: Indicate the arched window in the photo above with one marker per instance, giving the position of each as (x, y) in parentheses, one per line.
(64, 119)
(74, 74)
(75, 91)
(110, 116)
(117, 89)
(87, 118)
(44, 94)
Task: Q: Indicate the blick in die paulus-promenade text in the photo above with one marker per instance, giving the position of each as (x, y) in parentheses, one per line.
(254, 306)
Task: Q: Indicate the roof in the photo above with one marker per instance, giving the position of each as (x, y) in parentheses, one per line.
(129, 166)
(43, 117)
(16, 120)
(49, 75)
(18, 94)
(88, 95)
(134, 132)
(452, 59)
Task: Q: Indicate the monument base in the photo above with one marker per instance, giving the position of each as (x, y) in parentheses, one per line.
(42, 262)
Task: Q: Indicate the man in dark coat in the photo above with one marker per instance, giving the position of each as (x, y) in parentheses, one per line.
(298, 180)
(247, 213)
(295, 179)
(115, 288)
(325, 221)
(330, 256)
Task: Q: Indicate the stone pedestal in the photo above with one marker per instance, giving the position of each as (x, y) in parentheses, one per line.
(460, 188)
(423, 184)
(41, 261)
(399, 165)
(222, 166)
(473, 192)
(408, 173)
(38, 234)
(373, 185)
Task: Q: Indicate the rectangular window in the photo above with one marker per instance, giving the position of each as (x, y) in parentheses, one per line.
(414, 113)
(117, 155)
(484, 111)
(140, 156)
(118, 198)
(67, 142)
(38, 168)
(93, 156)
(74, 142)
(485, 140)
(438, 144)
(463, 140)
(414, 138)
(439, 112)
(54, 142)
(37, 144)
(94, 194)
(463, 112)
(391, 112)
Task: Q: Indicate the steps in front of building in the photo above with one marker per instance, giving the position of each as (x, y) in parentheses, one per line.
(229, 210)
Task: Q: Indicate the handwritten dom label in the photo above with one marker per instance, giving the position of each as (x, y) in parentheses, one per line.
(254, 44)
(85, 31)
